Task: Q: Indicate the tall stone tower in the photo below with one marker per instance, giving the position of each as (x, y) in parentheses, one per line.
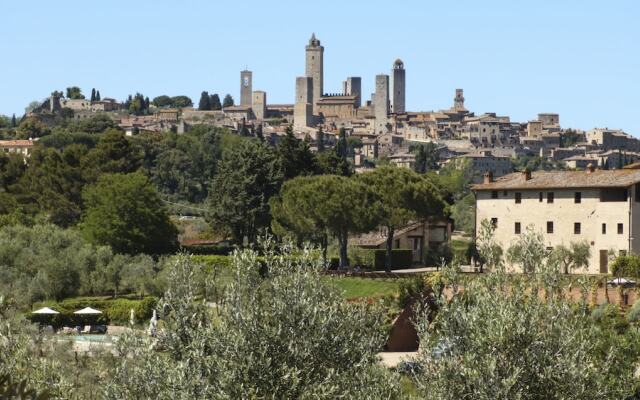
(259, 104)
(245, 87)
(397, 87)
(458, 101)
(353, 87)
(381, 103)
(315, 69)
(302, 109)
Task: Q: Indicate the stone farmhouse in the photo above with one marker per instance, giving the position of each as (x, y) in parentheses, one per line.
(600, 207)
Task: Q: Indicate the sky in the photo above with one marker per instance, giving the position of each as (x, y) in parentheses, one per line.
(580, 59)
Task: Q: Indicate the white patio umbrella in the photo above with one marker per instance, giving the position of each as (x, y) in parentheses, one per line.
(88, 310)
(621, 281)
(45, 310)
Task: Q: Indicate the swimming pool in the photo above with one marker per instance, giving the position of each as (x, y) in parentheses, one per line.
(90, 338)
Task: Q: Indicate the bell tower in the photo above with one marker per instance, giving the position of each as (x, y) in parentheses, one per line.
(315, 69)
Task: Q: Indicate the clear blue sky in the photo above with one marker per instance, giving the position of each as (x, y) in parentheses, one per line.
(577, 58)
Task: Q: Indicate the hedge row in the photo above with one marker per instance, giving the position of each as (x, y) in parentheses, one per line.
(114, 311)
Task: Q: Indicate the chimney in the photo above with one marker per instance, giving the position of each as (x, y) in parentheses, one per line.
(590, 168)
(526, 174)
(488, 177)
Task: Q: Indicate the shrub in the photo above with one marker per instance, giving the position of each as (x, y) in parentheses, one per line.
(435, 255)
(400, 258)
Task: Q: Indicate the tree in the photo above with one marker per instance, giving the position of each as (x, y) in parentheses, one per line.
(114, 153)
(342, 148)
(574, 257)
(215, 102)
(98, 95)
(138, 104)
(237, 350)
(228, 101)
(528, 251)
(403, 197)
(320, 139)
(499, 340)
(426, 158)
(626, 266)
(248, 175)
(31, 128)
(295, 156)
(259, 133)
(205, 102)
(181, 101)
(93, 94)
(13, 121)
(125, 212)
(74, 93)
(328, 162)
(341, 206)
(162, 101)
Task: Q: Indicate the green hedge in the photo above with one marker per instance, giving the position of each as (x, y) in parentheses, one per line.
(213, 262)
(114, 311)
(400, 258)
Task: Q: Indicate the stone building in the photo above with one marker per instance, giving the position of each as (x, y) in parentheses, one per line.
(352, 86)
(22, 147)
(381, 103)
(458, 101)
(398, 80)
(246, 84)
(612, 139)
(303, 108)
(599, 207)
(484, 161)
(337, 106)
(417, 236)
(259, 104)
(315, 70)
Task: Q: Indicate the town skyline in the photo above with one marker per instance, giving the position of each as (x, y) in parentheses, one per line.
(514, 67)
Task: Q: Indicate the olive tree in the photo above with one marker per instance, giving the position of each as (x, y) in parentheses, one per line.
(278, 332)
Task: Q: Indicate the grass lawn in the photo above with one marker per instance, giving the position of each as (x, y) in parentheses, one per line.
(354, 287)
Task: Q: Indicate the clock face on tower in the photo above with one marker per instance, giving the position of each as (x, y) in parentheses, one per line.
(245, 81)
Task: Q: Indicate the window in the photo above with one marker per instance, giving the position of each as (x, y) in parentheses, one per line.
(518, 197)
(540, 197)
(604, 229)
(620, 229)
(578, 197)
(494, 194)
(504, 193)
(549, 197)
(549, 226)
(613, 194)
(397, 243)
(517, 228)
(577, 228)
(494, 222)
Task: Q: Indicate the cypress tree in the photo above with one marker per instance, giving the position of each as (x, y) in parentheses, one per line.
(205, 102)
(93, 94)
(215, 102)
(13, 121)
(320, 139)
(228, 101)
(97, 95)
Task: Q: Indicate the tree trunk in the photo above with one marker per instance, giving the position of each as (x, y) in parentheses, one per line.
(344, 258)
(387, 258)
(325, 244)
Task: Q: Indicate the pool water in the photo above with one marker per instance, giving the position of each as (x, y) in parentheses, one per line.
(90, 338)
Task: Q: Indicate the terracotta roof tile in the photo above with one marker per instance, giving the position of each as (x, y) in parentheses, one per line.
(564, 179)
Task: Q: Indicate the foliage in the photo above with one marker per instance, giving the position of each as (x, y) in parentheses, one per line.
(536, 163)
(295, 156)
(205, 102)
(74, 93)
(248, 175)
(162, 101)
(239, 350)
(326, 204)
(463, 213)
(400, 259)
(426, 157)
(499, 340)
(355, 287)
(627, 266)
(215, 102)
(528, 251)
(181, 101)
(137, 105)
(574, 257)
(31, 128)
(489, 251)
(227, 101)
(403, 196)
(570, 138)
(125, 212)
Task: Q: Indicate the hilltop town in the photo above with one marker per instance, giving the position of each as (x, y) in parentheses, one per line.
(380, 125)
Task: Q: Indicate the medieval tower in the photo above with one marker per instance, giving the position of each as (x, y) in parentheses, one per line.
(458, 101)
(397, 87)
(315, 70)
(245, 87)
(381, 103)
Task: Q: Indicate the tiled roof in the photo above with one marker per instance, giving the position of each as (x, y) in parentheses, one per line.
(16, 143)
(564, 179)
